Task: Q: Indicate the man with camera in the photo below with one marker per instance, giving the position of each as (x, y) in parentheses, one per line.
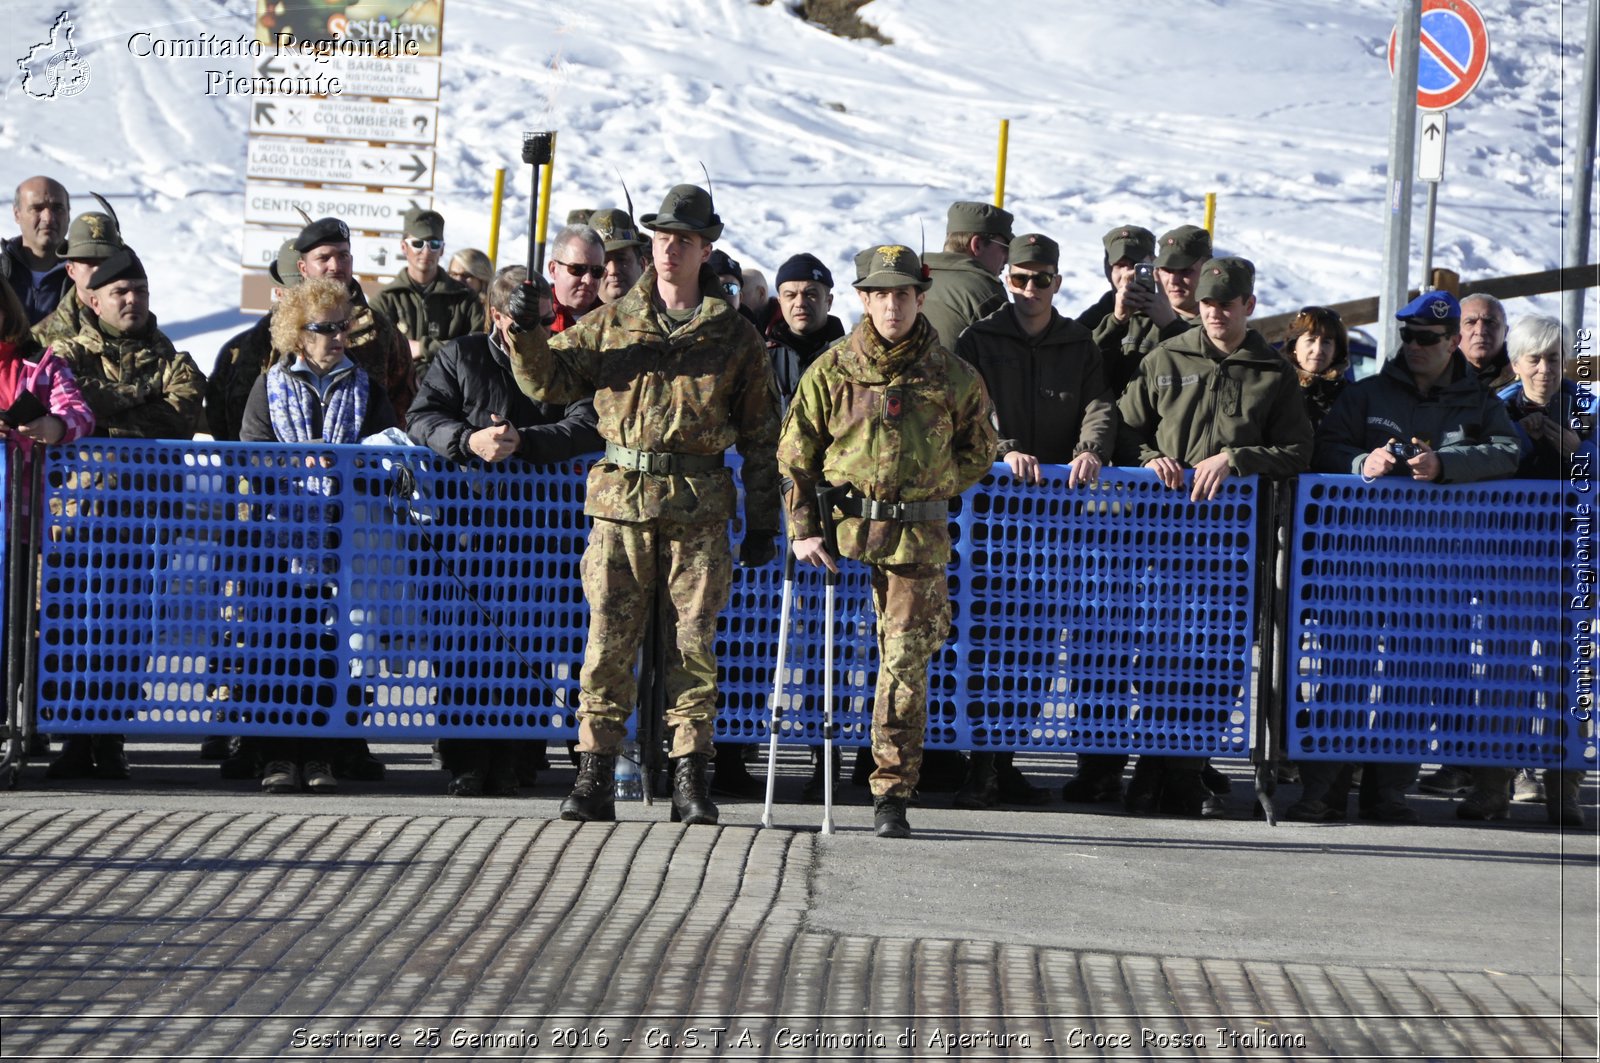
(1425, 415)
(677, 376)
(1134, 316)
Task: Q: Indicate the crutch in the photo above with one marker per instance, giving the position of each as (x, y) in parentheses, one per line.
(777, 682)
(830, 583)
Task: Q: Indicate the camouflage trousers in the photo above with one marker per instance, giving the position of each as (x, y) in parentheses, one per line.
(625, 567)
(913, 607)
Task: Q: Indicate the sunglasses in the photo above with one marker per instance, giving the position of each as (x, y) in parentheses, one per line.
(1421, 337)
(327, 328)
(575, 270)
(733, 287)
(1037, 280)
(417, 244)
(517, 330)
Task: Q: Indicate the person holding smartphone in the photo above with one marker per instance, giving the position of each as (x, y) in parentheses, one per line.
(1134, 316)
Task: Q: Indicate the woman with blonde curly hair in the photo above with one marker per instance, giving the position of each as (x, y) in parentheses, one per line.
(313, 393)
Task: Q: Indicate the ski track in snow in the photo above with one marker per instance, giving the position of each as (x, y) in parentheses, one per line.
(829, 145)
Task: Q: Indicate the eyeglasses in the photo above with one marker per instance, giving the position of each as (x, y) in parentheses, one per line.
(574, 269)
(517, 330)
(1422, 337)
(417, 244)
(327, 328)
(1035, 280)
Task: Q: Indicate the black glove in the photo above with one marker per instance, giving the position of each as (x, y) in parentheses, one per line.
(757, 549)
(522, 307)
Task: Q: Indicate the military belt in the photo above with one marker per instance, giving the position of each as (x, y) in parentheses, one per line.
(661, 463)
(853, 506)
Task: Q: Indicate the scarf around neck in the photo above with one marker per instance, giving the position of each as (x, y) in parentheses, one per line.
(889, 359)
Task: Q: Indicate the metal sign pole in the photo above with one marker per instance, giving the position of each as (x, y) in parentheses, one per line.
(1579, 220)
(1402, 155)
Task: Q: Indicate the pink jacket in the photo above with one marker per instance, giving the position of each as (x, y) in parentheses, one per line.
(49, 378)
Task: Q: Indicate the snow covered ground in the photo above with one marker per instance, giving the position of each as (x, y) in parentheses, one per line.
(1119, 113)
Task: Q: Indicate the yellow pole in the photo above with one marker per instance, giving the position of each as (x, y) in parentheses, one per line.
(1000, 165)
(494, 217)
(544, 198)
(1211, 214)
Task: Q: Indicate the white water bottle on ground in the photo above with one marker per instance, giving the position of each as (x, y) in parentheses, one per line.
(629, 784)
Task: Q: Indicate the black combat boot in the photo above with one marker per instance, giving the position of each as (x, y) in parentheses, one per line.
(110, 758)
(593, 797)
(690, 803)
(981, 789)
(889, 817)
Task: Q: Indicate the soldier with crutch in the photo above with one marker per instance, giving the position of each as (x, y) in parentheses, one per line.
(901, 426)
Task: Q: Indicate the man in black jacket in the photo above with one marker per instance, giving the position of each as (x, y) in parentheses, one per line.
(31, 262)
(802, 328)
(468, 408)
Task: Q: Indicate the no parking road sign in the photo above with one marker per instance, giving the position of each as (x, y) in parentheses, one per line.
(1455, 53)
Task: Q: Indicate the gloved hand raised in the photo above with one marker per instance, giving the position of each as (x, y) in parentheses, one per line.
(523, 306)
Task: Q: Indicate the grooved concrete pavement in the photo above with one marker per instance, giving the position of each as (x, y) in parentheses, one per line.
(176, 918)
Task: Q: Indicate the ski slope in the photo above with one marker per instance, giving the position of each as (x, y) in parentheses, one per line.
(1119, 113)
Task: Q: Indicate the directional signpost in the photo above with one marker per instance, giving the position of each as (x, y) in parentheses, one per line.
(1453, 56)
(363, 153)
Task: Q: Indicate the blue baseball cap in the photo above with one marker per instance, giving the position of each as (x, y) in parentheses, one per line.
(1435, 307)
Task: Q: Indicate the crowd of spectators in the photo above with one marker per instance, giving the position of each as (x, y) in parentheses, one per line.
(1161, 371)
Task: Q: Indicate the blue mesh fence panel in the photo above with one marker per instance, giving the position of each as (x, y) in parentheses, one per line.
(1113, 618)
(278, 589)
(1433, 623)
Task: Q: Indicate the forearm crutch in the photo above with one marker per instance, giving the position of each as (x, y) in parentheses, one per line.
(775, 709)
(830, 584)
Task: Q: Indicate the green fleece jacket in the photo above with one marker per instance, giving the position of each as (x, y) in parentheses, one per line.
(1190, 402)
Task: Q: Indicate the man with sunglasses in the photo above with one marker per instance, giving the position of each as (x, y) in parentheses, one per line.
(469, 408)
(577, 262)
(1426, 415)
(677, 376)
(965, 274)
(426, 304)
(1051, 404)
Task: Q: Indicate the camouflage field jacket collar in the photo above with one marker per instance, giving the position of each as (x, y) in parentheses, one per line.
(639, 304)
(105, 341)
(867, 359)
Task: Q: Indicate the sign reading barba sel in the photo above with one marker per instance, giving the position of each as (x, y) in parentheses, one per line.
(392, 21)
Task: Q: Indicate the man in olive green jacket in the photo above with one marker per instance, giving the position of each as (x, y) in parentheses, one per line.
(1220, 401)
(427, 305)
(677, 376)
(963, 276)
(906, 426)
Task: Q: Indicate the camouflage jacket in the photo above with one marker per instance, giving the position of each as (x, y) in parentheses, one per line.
(962, 292)
(696, 389)
(374, 344)
(139, 387)
(69, 318)
(841, 429)
(444, 310)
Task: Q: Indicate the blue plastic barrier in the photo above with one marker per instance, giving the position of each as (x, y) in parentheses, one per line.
(1437, 623)
(294, 589)
(1112, 618)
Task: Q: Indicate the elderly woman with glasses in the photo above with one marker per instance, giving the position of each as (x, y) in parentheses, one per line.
(313, 393)
(1318, 347)
(1555, 421)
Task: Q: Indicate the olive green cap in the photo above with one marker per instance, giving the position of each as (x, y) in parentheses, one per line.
(966, 216)
(687, 209)
(286, 270)
(424, 224)
(1185, 246)
(891, 266)
(616, 229)
(90, 237)
(1035, 249)
(580, 216)
(1226, 279)
(1132, 242)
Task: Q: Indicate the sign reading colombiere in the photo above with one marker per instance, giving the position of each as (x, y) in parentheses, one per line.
(341, 122)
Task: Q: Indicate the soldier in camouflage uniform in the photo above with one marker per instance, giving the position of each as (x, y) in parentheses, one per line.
(906, 426)
(91, 240)
(138, 386)
(321, 250)
(677, 376)
(427, 305)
